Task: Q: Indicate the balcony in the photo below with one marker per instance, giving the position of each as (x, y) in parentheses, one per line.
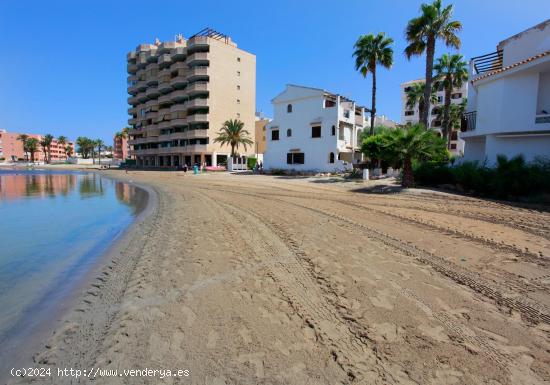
(178, 107)
(197, 118)
(468, 121)
(197, 103)
(142, 97)
(132, 121)
(178, 82)
(163, 125)
(178, 95)
(486, 63)
(164, 61)
(141, 86)
(197, 88)
(133, 100)
(198, 58)
(131, 68)
(165, 99)
(152, 92)
(164, 85)
(179, 122)
(195, 148)
(196, 134)
(179, 54)
(198, 72)
(132, 111)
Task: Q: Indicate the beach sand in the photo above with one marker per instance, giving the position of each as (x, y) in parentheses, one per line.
(246, 279)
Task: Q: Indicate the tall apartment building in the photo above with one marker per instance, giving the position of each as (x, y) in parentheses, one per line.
(411, 116)
(120, 148)
(182, 92)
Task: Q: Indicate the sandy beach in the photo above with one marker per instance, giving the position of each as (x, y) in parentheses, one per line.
(247, 279)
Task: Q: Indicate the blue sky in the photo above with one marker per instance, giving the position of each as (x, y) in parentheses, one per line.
(63, 63)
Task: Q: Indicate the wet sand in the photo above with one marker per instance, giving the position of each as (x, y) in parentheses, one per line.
(247, 279)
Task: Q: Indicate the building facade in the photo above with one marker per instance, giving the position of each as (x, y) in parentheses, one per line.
(121, 148)
(11, 149)
(182, 92)
(508, 108)
(313, 130)
(260, 133)
(412, 116)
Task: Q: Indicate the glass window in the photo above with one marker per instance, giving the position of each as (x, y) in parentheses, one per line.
(295, 158)
(316, 131)
(289, 108)
(289, 132)
(275, 135)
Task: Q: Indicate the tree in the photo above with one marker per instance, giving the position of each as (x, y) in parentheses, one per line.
(62, 141)
(68, 151)
(372, 50)
(450, 72)
(422, 33)
(234, 134)
(99, 144)
(32, 147)
(24, 138)
(46, 143)
(414, 144)
(415, 96)
(85, 146)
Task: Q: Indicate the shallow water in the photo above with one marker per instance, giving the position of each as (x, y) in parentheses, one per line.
(54, 226)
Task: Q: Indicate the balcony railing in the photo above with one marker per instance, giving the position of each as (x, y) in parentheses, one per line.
(468, 121)
(486, 63)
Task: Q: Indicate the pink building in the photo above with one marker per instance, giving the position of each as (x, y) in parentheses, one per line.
(120, 148)
(11, 149)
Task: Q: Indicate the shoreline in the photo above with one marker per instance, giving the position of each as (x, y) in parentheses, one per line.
(31, 347)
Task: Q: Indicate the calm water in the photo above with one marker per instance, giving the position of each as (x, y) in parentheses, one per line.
(53, 228)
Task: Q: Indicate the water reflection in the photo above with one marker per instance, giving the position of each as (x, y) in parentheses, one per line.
(15, 186)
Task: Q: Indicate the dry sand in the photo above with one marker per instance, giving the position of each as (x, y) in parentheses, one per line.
(247, 279)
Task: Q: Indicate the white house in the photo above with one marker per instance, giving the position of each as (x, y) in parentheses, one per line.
(313, 130)
(411, 116)
(508, 108)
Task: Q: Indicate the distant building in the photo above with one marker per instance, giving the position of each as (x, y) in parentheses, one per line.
(508, 108)
(182, 92)
(11, 149)
(121, 149)
(260, 131)
(412, 116)
(381, 120)
(313, 130)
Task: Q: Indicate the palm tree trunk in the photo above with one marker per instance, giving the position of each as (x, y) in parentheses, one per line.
(373, 106)
(408, 177)
(446, 114)
(430, 51)
(232, 150)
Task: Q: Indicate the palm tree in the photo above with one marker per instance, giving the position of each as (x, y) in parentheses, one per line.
(32, 147)
(412, 144)
(423, 31)
(370, 51)
(62, 141)
(415, 96)
(46, 143)
(68, 151)
(451, 72)
(99, 144)
(84, 146)
(24, 138)
(234, 134)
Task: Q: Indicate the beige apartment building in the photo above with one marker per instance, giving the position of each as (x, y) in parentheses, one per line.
(182, 92)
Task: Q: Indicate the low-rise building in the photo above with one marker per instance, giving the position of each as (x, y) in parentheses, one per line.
(412, 115)
(11, 148)
(260, 132)
(313, 130)
(508, 109)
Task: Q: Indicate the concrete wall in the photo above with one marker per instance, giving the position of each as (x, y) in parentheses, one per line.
(526, 44)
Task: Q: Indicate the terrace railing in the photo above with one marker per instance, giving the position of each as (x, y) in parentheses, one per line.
(468, 121)
(486, 63)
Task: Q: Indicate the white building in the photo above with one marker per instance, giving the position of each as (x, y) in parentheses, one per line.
(412, 116)
(313, 130)
(509, 99)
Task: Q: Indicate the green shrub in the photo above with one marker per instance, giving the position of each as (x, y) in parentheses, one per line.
(251, 162)
(511, 179)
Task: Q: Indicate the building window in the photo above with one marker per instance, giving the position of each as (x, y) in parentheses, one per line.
(316, 131)
(453, 146)
(295, 158)
(333, 132)
(440, 99)
(238, 114)
(331, 157)
(238, 101)
(238, 73)
(275, 135)
(289, 108)
(289, 132)
(457, 95)
(238, 87)
(409, 113)
(238, 59)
